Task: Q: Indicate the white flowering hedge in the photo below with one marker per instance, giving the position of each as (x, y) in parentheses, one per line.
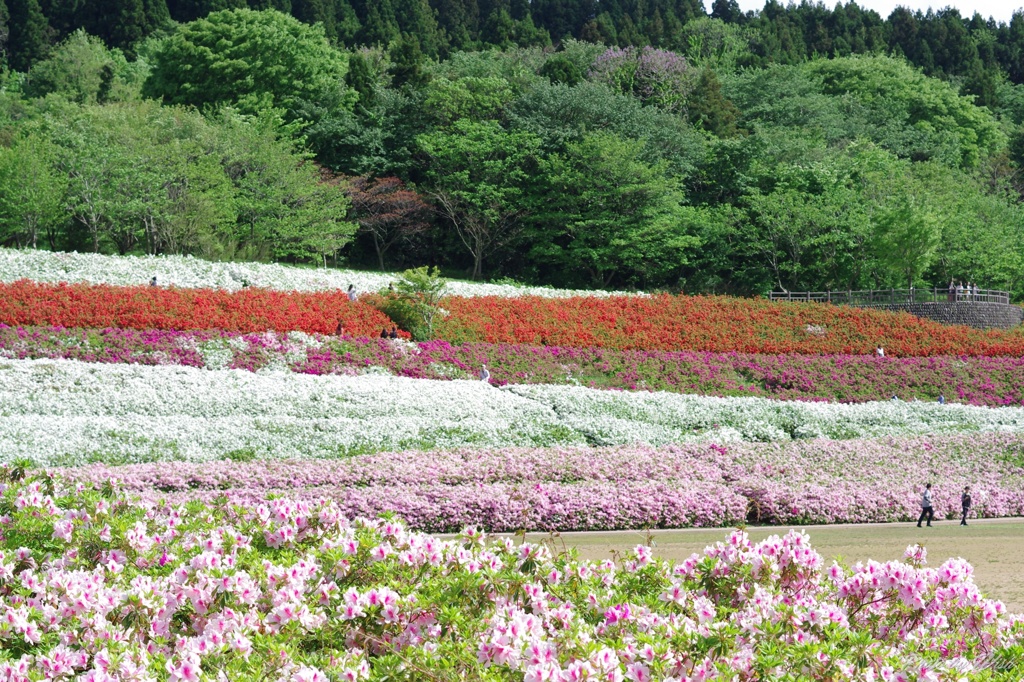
(189, 272)
(68, 412)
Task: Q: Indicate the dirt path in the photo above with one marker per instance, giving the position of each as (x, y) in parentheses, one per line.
(994, 547)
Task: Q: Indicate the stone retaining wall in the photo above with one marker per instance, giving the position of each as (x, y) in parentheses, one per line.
(977, 315)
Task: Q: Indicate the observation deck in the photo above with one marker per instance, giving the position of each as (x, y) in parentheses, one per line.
(984, 309)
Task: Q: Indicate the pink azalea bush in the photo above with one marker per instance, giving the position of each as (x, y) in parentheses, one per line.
(97, 586)
(993, 382)
(579, 488)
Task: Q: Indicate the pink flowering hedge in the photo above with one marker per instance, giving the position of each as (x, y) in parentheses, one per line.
(98, 587)
(798, 482)
(994, 381)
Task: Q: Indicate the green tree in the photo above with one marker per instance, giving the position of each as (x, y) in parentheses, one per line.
(898, 95)
(32, 191)
(141, 176)
(415, 302)
(337, 16)
(5, 18)
(362, 80)
(459, 19)
(379, 26)
(606, 212)
(806, 237)
(196, 212)
(122, 23)
(283, 208)
(907, 236)
(711, 42)
(809, 223)
(76, 69)
(561, 70)
(417, 18)
(407, 60)
(982, 230)
(249, 60)
(476, 176)
(27, 39)
(707, 108)
(560, 115)
(190, 10)
(470, 98)
(90, 158)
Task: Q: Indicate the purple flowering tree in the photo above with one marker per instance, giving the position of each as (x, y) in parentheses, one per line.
(658, 77)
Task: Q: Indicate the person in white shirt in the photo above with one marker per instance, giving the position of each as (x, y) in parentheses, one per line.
(926, 506)
(880, 352)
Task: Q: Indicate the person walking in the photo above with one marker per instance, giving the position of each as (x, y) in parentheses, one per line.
(952, 291)
(960, 290)
(352, 292)
(484, 374)
(880, 352)
(965, 504)
(926, 506)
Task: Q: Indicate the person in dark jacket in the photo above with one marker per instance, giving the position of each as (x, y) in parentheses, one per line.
(384, 333)
(965, 504)
(926, 506)
(394, 333)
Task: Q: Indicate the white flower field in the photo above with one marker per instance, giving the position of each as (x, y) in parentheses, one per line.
(188, 272)
(60, 412)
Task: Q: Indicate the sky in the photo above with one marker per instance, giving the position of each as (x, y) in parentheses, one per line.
(1000, 10)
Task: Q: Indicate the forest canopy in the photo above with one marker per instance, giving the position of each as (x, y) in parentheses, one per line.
(637, 144)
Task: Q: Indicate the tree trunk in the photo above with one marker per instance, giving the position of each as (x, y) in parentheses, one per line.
(380, 251)
(478, 263)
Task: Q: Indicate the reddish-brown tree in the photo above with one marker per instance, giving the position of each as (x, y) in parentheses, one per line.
(387, 210)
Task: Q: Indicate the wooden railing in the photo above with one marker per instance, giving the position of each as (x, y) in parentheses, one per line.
(880, 297)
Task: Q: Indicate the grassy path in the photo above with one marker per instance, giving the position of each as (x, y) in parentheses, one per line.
(995, 547)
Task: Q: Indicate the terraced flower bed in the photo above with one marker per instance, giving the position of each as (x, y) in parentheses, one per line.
(643, 323)
(148, 307)
(574, 488)
(108, 588)
(68, 412)
(835, 378)
(713, 324)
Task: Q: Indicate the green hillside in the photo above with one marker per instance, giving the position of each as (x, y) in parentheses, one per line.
(600, 144)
